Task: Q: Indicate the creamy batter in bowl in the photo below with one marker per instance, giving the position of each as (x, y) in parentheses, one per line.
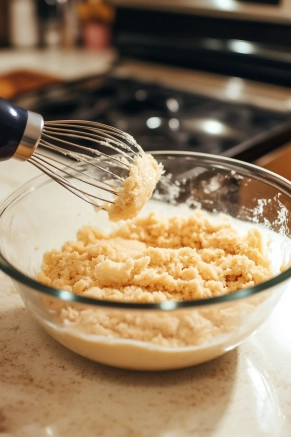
(163, 333)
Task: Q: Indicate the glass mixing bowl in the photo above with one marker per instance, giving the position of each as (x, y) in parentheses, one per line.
(42, 215)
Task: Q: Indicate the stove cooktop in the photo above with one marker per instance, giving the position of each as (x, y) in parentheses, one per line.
(162, 118)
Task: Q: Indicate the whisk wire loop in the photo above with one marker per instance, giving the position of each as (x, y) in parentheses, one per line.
(92, 144)
(97, 132)
(79, 157)
(46, 165)
(65, 136)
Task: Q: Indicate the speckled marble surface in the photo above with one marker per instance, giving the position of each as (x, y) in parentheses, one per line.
(46, 390)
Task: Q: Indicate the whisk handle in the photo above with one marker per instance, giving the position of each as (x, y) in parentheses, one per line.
(20, 131)
(12, 124)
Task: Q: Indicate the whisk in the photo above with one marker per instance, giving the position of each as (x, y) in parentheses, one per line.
(22, 131)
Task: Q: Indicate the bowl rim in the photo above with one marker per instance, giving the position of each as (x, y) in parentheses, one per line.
(276, 180)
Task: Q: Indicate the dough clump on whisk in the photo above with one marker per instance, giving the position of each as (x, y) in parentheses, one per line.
(144, 174)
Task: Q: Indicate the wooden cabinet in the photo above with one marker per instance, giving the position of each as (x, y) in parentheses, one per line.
(278, 161)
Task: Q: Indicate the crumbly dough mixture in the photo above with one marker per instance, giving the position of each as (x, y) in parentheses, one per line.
(154, 258)
(137, 188)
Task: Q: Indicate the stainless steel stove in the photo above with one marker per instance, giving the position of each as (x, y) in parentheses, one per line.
(162, 117)
(185, 81)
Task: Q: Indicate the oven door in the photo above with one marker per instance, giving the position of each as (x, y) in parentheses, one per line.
(221, 41)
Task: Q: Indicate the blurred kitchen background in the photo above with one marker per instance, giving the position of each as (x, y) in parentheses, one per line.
(212, 76)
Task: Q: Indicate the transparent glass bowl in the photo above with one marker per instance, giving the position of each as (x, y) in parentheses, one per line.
(42, 215)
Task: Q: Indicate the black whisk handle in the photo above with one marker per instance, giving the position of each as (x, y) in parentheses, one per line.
(20, 131)
(12, 125)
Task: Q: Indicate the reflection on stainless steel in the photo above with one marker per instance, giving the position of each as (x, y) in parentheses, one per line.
(174, 124)
(212, 127)
(234, 89)
(153, 122)
(172, 104)
(244, 47)
(226, 5)
(263, 51)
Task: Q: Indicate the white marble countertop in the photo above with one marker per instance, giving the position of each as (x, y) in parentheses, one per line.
(48, 391)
